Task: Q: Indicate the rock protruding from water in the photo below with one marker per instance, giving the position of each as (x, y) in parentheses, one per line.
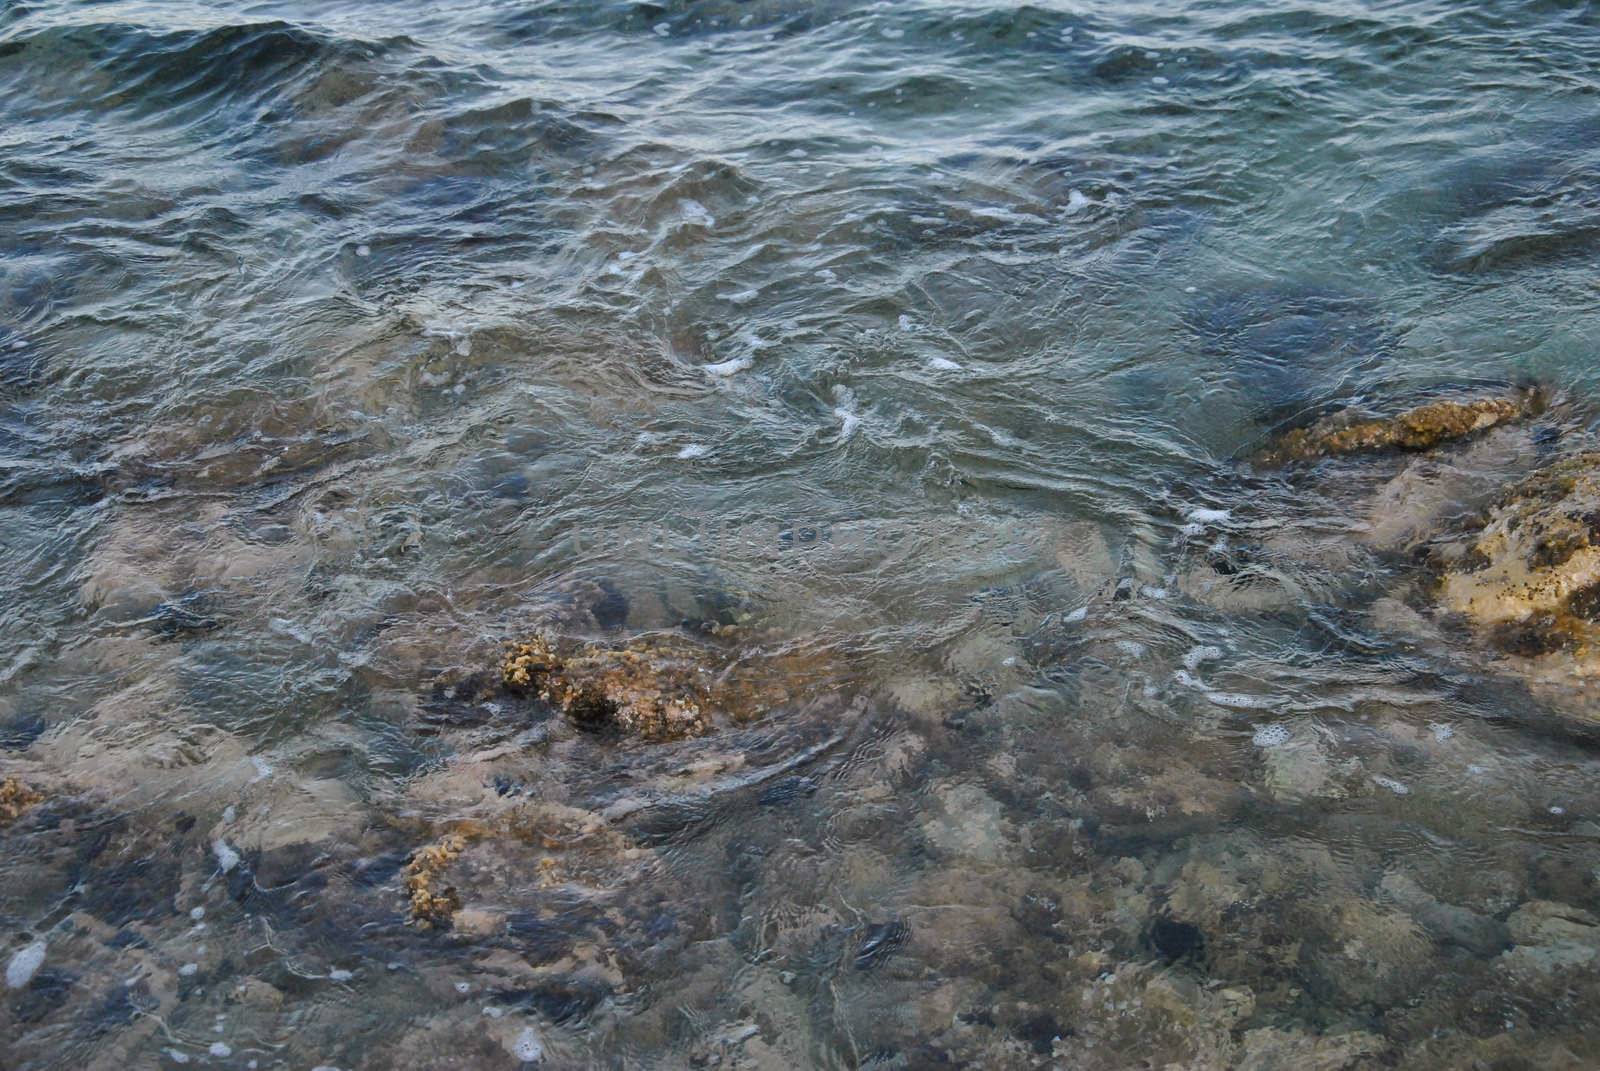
(658, 687)
(1531, 580)
(1421, 428)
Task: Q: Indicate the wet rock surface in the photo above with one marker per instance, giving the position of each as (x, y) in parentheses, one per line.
(1529, 581)
(662, 687)
(15, 799)
(923, 682)
(1427, 426)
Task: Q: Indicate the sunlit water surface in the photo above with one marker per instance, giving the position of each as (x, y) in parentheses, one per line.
(926, 343)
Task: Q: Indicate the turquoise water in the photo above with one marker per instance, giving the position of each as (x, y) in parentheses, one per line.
(929, 344)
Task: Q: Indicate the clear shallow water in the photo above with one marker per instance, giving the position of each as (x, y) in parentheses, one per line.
(343, 343)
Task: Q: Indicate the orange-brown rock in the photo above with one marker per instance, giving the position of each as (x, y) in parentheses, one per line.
(433, 902)
(15, 799)
(1531, 580)
(1422, 428)
(660, 686)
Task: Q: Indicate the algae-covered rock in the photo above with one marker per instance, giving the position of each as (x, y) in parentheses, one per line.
(1531, 581)
(1421, 428)
(654, 693)
(433, 902)
(661, 686)
(15, 799)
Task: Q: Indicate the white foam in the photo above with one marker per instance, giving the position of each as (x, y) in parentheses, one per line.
(1209, 516)
(1158, 80)
(1558, 810)
(692, 451)
(1442, 732)
(827, 275)
(1399, 788)
(189, 970)
(907, 323)
(1074, 616)
(1153, 592)
(743, 297)
(695, 212)
(729, 367)
(529, 1048)
(1240, 701)
(1076, 202)
(363, 251)
(1187, 679)
(845, 410)
(1001, 214)
(197, 913)
(943, 364)
(220, 1049)
(1271, 736)
(1197, 655)
(339, 974)
(1132, 648)
(284, 627)
(227, 858)
(177, 1056)
(263, 768)
(24, 964)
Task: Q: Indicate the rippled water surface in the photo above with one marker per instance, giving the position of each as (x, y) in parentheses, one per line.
(907, 363)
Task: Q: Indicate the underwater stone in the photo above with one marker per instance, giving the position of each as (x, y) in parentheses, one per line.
(433, 904)
(658, 687)
(599, 687)
(1421, 428)
(15, 799)
(611, 608)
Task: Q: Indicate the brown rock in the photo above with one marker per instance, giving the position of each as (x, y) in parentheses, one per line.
(15, 799)
(1421, 428)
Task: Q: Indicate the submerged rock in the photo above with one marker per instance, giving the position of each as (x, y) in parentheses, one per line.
(657, 687)
(649, 694)
(1421, 428)
(1531, 580)
(433, 903)
(15, 799)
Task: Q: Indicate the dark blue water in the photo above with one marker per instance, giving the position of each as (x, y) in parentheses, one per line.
(911, 359)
